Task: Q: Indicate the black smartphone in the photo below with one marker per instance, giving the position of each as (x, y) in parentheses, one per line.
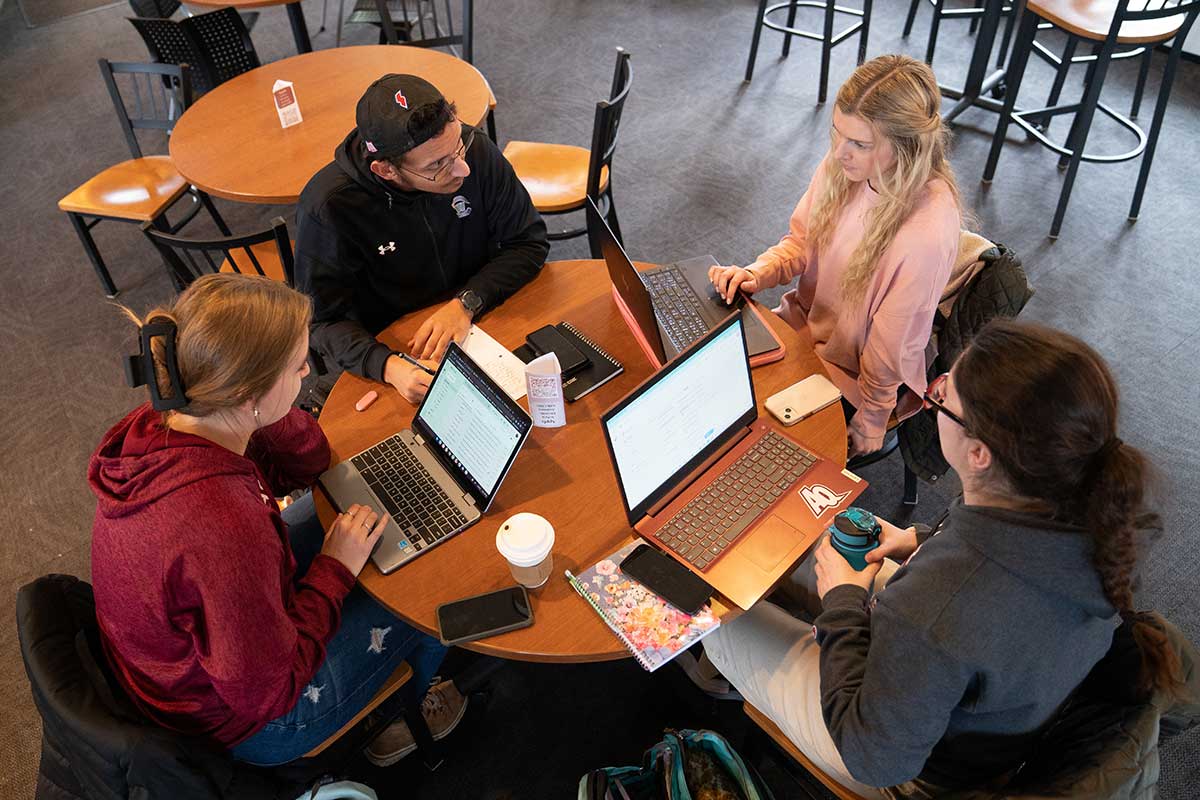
(484, 615)
(548, 339)
(671, 581)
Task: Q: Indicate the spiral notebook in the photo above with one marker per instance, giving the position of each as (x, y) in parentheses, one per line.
(601, 369)
(651, 628)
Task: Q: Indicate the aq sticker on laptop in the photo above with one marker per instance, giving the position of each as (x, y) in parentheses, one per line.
(821, 498)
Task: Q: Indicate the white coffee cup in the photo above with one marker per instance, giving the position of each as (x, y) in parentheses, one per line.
(526, 541)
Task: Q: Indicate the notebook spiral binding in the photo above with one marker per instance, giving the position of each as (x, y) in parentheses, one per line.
(583, 592)
(590, 343)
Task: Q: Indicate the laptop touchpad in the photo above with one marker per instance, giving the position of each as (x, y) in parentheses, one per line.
(770, 542)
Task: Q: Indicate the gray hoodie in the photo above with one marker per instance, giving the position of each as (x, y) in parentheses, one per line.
(950, 671)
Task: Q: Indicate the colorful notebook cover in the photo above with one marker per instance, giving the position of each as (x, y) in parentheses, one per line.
(651, 628)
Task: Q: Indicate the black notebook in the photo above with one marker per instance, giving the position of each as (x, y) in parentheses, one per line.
(602, 369)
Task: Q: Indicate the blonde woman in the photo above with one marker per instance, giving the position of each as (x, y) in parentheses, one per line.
(872, 242)
(221, 617)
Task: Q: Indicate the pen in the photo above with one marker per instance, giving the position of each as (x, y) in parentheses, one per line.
(415, 363)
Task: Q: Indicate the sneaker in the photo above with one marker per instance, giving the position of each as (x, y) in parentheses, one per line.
(704, 674)
(442, 708)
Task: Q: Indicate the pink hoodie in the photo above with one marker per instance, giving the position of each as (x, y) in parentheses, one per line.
(876, 344)
(200, 614)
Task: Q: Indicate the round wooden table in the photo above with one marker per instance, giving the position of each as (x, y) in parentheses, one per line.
(564, 474)
(230, 144)
(295, 16)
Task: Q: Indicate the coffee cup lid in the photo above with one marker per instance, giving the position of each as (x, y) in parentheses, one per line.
(525, 539)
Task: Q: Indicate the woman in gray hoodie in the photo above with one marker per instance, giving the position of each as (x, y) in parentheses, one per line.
(944, 678)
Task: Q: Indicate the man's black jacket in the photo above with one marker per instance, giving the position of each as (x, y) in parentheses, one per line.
(368, 252)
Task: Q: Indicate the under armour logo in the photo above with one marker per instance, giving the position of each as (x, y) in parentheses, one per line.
(821, 498)
(384, 249)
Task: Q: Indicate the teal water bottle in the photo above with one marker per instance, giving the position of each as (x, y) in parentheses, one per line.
(854, 533)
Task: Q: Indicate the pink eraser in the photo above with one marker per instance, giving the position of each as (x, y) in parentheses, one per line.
(365, 401)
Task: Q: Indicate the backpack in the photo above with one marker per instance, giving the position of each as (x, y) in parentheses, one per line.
(685, 765)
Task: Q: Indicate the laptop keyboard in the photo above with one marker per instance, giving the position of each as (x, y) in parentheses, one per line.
(409, 493)
(678, 308)
(714, 519)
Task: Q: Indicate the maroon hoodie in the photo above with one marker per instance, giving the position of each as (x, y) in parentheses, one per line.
(198, 610)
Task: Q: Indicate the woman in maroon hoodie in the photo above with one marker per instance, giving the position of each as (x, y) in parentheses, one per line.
(221, 617)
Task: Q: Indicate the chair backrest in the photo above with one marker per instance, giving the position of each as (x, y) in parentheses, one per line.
(607, 122)
(418, 35)
(155, 8)
(216, 45)
(188, 259)
(155, 96)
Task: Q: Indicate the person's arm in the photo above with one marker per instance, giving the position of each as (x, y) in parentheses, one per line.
(887, 689)
(258, 652)
(291, 452)
(517, 240)
(327, 267)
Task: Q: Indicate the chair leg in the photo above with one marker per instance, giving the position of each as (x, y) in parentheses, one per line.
(910, 487)
(1009, 23)
(491, 125)
(611, 218)
(1016, 71)
(1079, 134)
(864, 31)
(974, 26)
(1063, 161)
(1060, 78)
(93, 254)
(758, 26)
(1160, 110)
(791, 22)
(212, 210)
(431, 751)
(1143, 74)
(933, 31)
(826, 49)
(912, 15)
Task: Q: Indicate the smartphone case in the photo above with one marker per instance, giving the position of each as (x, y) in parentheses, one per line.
(803, 399)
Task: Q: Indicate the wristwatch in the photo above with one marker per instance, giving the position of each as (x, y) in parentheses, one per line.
(471, 301)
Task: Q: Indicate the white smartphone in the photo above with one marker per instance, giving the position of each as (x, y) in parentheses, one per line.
(803, 399)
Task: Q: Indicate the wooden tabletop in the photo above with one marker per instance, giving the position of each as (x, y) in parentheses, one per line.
(564, 474)
(230, 143)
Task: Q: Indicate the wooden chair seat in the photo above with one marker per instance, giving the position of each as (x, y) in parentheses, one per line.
(268, 258)
(1091, 19)
(390, 686)
(555, 175)
(771, 729)
(139, 189)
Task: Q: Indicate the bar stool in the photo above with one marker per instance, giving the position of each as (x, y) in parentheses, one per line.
(827, 38)
(941, 12)
(1131, 22)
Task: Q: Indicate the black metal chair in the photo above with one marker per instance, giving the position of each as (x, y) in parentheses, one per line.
(216, 45)
(267, 252)
(1132, 22)
(166, 8)
(827, 37)
(144, 188)
(940, 12)
(560, 177)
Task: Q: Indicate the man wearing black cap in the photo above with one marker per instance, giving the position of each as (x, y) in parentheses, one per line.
(417, 207)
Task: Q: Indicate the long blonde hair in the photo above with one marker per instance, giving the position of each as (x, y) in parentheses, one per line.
(235, 335)
(899, 98)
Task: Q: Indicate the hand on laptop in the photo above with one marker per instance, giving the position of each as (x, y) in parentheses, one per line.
(449, 323)
(894, 543)
(353, 535)
(411, 382)
(833, 569)
(728, 280)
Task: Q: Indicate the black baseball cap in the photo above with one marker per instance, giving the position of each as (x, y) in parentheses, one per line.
(385, 109)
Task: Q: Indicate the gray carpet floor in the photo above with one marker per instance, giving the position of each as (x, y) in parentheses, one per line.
(706, 164)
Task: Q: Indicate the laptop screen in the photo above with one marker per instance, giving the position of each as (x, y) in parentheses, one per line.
(472, 424)
(680, 416)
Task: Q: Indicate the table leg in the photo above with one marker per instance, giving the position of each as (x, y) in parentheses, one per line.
(977, 85)
(299, 28)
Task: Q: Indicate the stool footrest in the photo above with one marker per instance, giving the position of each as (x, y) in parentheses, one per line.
(1019, 117)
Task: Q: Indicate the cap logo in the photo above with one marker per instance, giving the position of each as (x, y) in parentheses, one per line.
(401, 99)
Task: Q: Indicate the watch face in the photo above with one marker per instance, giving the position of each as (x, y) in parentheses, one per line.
(471, 301)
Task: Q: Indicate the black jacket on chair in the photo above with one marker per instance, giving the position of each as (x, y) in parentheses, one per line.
(95, 744)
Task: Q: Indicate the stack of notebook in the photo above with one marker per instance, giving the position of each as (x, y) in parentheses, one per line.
(601, 367)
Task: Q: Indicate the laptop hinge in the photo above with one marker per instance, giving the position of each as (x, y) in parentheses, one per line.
(691, 477)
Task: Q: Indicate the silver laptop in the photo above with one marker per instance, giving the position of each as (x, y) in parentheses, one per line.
(439, 477)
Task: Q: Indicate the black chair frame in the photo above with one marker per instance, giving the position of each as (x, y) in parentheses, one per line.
(1072, 152)
(827, 37)
(973, 14)
(604, 144)
(187, 259)
(188, 41)
(173, 92)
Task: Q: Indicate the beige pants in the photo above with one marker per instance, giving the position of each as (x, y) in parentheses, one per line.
(773, 660)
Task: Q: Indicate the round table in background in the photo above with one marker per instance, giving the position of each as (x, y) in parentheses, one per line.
(230, 144)
(564, 474)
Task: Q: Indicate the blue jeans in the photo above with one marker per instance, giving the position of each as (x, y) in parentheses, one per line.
(367, 648)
